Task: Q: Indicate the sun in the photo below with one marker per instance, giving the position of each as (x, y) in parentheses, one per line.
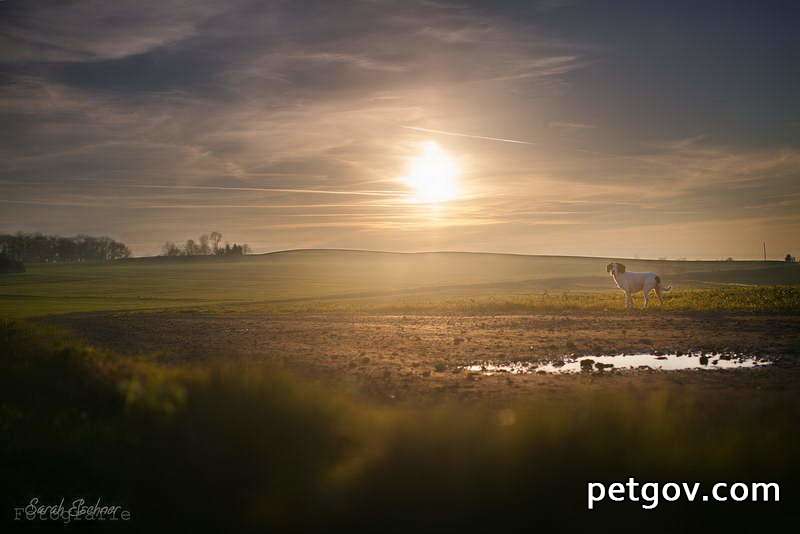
(433, 176)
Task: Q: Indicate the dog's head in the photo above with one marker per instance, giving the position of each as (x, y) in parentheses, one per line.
(615, 268)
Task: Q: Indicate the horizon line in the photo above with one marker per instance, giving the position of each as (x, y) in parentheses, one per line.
(522, 254)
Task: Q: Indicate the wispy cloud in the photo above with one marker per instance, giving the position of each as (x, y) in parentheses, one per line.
(266, 190)
(89, 31)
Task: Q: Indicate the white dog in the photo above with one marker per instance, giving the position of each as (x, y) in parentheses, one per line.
(632, 283)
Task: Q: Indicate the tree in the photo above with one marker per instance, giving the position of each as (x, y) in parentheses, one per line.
(33, 248)
(170, 249)
(216, 237)
(118, 251)
(191, 248)
(10, 265)
(204, 249)
(205, 245)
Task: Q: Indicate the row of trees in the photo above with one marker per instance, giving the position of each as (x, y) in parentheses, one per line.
(206, 245)
(41, 248)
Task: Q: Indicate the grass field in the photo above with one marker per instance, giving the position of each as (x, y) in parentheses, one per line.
(212, 448)
(372, 280)
(312, 390)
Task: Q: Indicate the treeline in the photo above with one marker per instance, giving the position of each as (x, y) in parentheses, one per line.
(41, 248)
(206, 245)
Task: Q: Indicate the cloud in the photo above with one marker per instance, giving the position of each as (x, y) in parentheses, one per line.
(570, 128)
(172, 115)
(93, 30)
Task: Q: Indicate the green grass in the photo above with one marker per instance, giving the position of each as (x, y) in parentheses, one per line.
(255, 449)
(339, 279)
(766, 299)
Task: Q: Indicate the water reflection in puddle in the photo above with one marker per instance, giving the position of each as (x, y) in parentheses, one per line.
(662, 362)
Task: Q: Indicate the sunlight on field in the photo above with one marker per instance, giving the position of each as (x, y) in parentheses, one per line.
(380, 281)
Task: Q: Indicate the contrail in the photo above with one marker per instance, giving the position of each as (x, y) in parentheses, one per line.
(456, 134)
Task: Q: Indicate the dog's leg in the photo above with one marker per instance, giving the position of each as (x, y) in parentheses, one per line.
(658, 294)
(628, 300)
(646, 299)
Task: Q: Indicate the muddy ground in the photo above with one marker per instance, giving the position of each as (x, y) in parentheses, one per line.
(415, 358)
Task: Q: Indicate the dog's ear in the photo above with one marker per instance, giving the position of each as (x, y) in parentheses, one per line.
(609, 267)
(620, 268)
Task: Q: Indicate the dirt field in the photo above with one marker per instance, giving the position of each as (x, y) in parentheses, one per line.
(416, 358)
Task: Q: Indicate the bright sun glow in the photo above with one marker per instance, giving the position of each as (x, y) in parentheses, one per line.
(432, 175)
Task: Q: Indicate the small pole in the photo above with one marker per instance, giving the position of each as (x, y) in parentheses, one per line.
(764, 243)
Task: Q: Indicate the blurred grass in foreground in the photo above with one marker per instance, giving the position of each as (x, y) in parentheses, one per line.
(252, 448)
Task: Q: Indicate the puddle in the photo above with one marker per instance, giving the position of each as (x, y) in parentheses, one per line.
(662, 362)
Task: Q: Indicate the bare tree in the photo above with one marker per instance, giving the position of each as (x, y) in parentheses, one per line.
(204, 249)
(205, 245)
(170, 249)
(191, 248)
(216, 237)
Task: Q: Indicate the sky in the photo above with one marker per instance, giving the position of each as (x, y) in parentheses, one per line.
(600, 128)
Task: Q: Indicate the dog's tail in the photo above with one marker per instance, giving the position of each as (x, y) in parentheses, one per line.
(662, 288)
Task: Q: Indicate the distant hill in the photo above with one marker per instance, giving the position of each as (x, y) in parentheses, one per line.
(415, 270)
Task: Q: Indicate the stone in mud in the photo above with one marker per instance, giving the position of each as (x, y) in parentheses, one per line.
(704, 360)
(602, 366)
(587, 364)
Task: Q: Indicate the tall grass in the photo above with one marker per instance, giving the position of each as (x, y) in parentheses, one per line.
(252, 448)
